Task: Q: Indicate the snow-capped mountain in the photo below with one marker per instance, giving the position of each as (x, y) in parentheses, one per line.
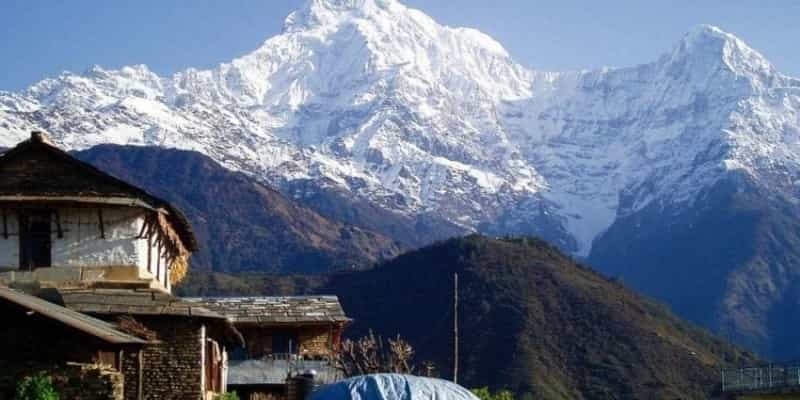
(663, 174)
(377, 99)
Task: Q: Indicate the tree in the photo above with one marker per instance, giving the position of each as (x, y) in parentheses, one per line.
(36, 387)
(484, 394)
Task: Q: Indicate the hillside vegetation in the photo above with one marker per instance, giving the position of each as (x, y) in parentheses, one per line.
(532, 320)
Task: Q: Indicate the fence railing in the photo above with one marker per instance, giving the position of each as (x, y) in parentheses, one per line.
(764, 378)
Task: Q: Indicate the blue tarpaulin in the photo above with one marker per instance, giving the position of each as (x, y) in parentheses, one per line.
(393, 387)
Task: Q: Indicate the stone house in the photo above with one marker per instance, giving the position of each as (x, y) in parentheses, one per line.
(92, 259)
(40, 335)
(284, 336)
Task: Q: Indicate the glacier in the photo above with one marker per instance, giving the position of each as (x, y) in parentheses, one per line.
(379, 100)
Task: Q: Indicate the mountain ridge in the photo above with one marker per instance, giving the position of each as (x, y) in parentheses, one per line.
(532, 320)
(439, 131)
(242, 225)
(536, 158)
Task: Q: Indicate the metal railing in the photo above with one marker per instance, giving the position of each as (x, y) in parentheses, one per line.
(762, 379)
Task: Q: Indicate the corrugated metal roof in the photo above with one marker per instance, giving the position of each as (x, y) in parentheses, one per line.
(285, 310)
(82, 322)
(257, 372)
(275, 372)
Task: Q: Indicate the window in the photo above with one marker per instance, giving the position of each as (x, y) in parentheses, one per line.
(35, 242)
(284, 341)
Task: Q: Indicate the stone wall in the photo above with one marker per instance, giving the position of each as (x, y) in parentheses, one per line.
(257, 392)
(315, 342)
(312, 341)
(90, 382)
(72, 381)
(172, 367)
(130, 370)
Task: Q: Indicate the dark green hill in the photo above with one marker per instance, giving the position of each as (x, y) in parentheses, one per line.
(534, 321)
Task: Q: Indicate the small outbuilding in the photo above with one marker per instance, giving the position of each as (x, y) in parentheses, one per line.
(41, 336)
(284, 336)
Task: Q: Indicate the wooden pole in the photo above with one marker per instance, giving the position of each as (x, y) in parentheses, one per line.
(158, 259)
(58, 225)
(455, 328)
(149, 252)
(102, 225)
(140, 389)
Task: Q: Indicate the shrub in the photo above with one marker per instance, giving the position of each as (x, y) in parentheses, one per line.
(36, 387)
(227, 396)
(485, 394)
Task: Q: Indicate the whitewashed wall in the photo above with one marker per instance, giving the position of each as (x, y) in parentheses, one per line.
(82, 245)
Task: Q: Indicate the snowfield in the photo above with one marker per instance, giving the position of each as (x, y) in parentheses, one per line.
(378, 99)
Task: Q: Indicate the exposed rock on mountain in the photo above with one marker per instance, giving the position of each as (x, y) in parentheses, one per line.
(242, 225)
(431, 130)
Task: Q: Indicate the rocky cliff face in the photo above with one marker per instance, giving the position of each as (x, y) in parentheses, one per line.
(370, 102)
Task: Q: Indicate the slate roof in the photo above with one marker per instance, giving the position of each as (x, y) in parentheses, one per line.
(36, 170)
(82, 322)
(286, 310)
(129, 301)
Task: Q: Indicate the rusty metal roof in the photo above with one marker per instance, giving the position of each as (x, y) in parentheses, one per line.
(285, 310)
(82, 322)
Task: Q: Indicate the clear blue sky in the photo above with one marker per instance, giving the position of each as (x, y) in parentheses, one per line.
(41, 38)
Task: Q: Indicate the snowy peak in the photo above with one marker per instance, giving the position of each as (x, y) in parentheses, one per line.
(703, 33)
(379, 100)
(709, 50)
(317, 13)
(97, 87)
(381, 17)
(346, 49)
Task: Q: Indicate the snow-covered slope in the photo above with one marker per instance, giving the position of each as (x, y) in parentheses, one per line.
(378, 99)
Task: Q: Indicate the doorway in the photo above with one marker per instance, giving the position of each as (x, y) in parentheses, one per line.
(35, 241)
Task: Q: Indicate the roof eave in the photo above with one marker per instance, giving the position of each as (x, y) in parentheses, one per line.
(82, 322)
